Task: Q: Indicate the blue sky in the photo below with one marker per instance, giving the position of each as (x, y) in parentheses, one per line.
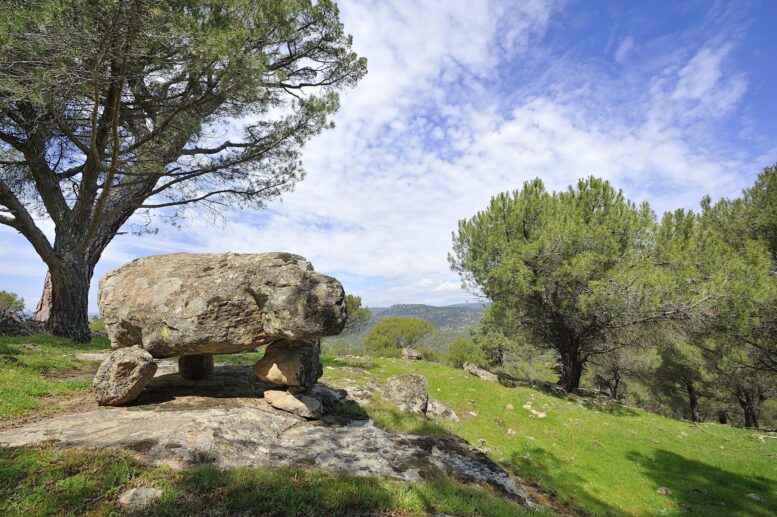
(464, 99)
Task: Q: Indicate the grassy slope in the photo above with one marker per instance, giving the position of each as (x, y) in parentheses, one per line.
(51, 481)
(597, 460)
(34, 367)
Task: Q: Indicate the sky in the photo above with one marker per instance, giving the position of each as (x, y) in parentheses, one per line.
(668, 100)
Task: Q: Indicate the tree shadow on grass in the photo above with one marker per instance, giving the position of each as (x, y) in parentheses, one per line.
(702, 489)
(542, 469)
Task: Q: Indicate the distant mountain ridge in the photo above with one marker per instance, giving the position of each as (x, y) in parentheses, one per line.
(459, 316)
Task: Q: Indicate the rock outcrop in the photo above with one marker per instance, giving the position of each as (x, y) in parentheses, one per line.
(196, 305)
(123, 375)
(480, 372)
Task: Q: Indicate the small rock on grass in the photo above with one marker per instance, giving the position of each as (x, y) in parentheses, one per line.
(437, 408)
(664, 491)
(754, 497)
(136, 499)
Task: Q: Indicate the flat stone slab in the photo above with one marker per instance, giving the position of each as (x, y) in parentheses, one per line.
(224, 421)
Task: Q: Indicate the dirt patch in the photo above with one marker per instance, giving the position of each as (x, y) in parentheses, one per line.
(55, 405)
(85, 371)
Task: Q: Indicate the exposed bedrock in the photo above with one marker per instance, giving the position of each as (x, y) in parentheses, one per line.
(192, 304)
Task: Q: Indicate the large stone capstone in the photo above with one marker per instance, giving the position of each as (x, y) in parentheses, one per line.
(191, 304)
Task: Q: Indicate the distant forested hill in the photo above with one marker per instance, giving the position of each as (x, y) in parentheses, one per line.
(458, 316)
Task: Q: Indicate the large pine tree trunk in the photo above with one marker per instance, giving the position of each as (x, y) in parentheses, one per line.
(68, 314)
(572, 370)
(693, 401)
(750, 403)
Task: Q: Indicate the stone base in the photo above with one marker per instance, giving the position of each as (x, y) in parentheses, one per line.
(123, 375)
(290, 363)
(195, 366)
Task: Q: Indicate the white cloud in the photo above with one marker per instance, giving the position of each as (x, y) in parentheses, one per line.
(449, 116)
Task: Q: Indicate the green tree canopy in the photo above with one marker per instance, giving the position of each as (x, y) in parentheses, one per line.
(391, 335)
(358, 316)
(10, 302)
(566, 267)
(113, 107)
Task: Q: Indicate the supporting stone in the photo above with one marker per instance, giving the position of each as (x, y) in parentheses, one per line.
(290, 363)
(195, 367)
(123, 375)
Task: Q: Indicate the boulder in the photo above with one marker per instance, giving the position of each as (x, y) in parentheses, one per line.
(480, 372)
(290, 363)
(123, 375)
(302, 405)
(411, 354)
(410, 392)
(195, 366)
(191, 304)
(437, 408)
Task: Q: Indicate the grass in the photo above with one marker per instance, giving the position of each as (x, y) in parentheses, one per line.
(53, 481)
(32, 367)
(595, 459)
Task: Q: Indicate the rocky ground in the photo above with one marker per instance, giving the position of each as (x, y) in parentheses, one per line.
(226, 422)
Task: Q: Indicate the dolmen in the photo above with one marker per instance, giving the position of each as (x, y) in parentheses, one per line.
(195, 305)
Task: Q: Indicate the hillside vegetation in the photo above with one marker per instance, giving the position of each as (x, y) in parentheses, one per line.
(590, 457)
(451, 317)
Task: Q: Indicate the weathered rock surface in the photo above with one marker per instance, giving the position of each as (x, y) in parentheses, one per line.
(480, 372)
(195, 366)
(123, 375)
(186, 304)
(299, 404)
(410, 392)
(289, 363)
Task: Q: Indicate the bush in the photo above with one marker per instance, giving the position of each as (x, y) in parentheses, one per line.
(390, 336)
(10, 302)
(465, 351)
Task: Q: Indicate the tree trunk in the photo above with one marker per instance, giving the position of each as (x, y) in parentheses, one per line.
(572, 370)
(68, 315)
(693, 401)
(751, 416)
(750, 403)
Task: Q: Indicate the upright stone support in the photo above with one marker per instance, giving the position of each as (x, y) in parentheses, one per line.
(195, 366)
